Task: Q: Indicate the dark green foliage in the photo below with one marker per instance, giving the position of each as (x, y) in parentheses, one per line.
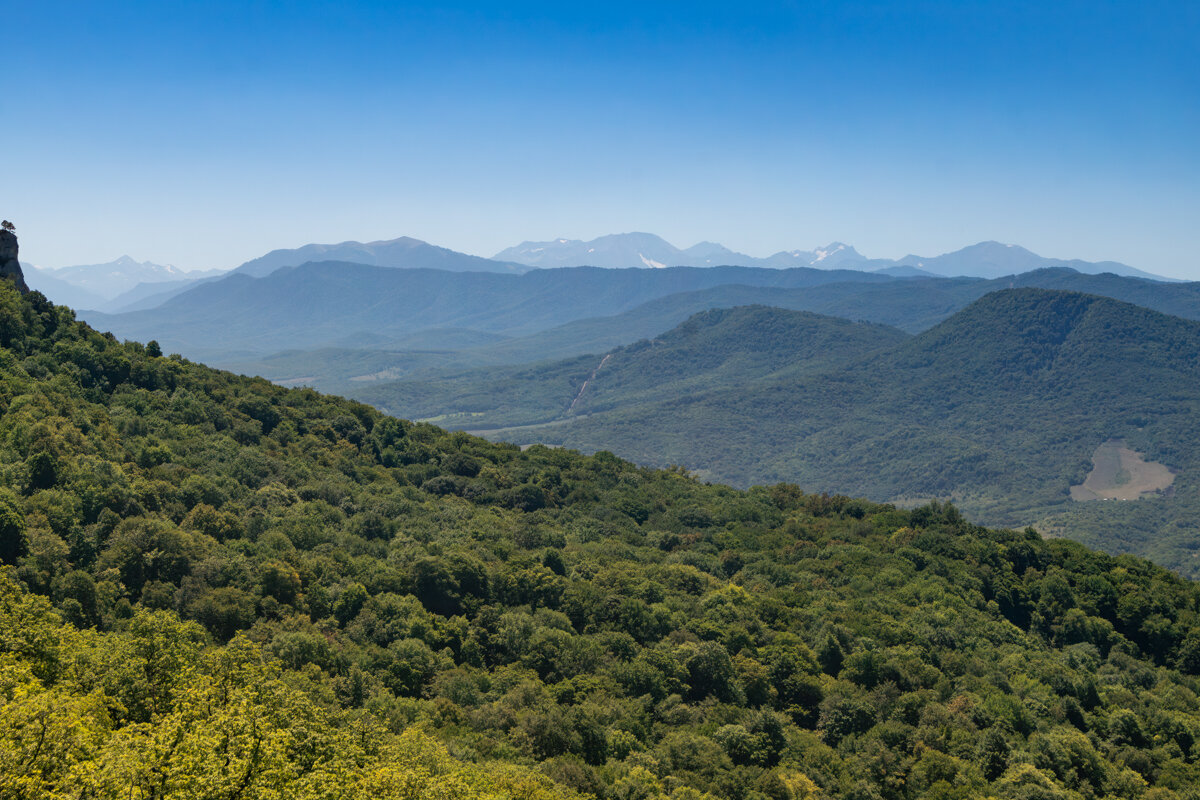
(14, 543)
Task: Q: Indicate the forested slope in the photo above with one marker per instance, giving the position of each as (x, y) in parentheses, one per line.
(218, 587)
(712, 351)
(999, 408)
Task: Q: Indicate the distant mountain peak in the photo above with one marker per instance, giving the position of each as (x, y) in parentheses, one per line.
(404, 252)
(642, 249)
(833, 249)
(614, 250)
(93, 285)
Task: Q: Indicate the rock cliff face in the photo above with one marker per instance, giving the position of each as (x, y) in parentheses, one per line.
(9, 266)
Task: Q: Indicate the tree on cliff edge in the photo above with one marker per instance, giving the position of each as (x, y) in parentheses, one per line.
(8, 226)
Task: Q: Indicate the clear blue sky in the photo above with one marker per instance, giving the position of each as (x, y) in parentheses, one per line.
(206, 133)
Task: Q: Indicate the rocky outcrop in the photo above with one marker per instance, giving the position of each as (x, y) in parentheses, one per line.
(10, 268)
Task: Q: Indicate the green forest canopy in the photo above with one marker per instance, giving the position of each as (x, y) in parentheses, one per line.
(217, 587)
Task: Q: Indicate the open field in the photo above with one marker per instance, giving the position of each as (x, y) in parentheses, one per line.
(1119, 473)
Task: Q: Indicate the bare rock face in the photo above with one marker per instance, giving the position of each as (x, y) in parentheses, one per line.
(10, 268)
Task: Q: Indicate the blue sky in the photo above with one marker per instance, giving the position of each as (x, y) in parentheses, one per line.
(206, 133)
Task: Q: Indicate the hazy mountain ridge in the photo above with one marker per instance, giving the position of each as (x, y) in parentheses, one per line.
(995, 260)
(631, 250)
(404, 252)
(109, 279)
(319, 304)
(331, 304)
(151, 295)
(128, 285)
(111, 286)
(59, 290)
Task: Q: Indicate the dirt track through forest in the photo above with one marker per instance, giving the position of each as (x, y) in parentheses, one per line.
(591, 378)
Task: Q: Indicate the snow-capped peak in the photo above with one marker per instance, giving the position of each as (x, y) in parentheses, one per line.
(823, 254)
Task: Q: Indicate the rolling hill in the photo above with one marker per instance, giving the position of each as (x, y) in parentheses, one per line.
(717, 348)
(999, 407)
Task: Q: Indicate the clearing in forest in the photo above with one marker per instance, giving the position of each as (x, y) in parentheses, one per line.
(1119, 473)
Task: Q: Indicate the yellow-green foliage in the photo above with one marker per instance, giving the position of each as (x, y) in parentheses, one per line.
(222, 724)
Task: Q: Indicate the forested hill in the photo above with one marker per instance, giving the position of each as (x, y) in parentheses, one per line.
(216, 587)
(711, 351)
(1000, 408)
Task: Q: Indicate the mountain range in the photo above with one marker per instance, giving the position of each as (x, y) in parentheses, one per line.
(109, 285)
(360, 361)
(59, 290)
(111, 278)
(983, 260)
(995, 260)
(512, 353)
(128, 285)
(624, 250)
(405, 252)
